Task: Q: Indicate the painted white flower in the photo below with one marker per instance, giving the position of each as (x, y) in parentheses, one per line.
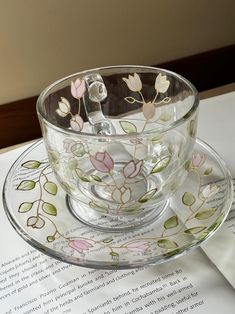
(121, 195)
(64, 107)
(161, 83)
(210, 191)
(133, 82)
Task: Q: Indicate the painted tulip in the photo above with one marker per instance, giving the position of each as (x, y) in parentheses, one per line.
(210, 191)
(198, 160)
(78, 88)
(102, 162)
(133, 82)
(121, 195)
(64, 107)
(68, 143)
(161, 83)
(80, 245)
(148, 110)
(132, 169)
(76, 123)
(137, 246)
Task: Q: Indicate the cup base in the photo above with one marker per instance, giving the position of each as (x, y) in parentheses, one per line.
(110, 223)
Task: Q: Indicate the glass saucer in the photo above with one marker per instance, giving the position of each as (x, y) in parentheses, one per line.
(37, 208)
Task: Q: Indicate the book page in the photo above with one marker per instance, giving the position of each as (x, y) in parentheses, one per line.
(221, 247)
(31, 282)
(219, 133)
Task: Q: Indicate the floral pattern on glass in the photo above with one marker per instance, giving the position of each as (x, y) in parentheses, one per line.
(44, 212)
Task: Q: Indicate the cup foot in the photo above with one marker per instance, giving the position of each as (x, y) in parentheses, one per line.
(105, 222)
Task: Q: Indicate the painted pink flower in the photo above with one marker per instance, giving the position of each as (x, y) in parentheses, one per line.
(76, 123)
(132, 169)
(148, 110)
(68, 143)
(198, 160)
(80, 245)
(102, 162)
(78, 88)
(138, 246)
(210, 191)
(133, 82)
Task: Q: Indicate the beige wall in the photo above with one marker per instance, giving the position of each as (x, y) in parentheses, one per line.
(44, 40)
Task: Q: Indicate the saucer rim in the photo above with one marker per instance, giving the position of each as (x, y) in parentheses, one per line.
(123, 264)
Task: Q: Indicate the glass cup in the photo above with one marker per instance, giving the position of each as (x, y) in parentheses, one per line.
(119, 140)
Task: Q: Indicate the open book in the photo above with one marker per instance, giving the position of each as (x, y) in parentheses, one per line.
(31, 282)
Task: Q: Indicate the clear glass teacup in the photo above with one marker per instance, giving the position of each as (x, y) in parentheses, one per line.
(119, 140)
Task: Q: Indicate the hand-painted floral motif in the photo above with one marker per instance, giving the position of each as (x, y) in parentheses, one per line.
(196, 206)
(76, 123)
(149, 107)
(210, 190)
(138, 246)
(80, 245)
(161, 83)
(121, 195)
(133, 82)
(198, 160)
(78, 88)
(132, 168)
(102, 162)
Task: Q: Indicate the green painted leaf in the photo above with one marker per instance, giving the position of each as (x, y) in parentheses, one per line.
(156, 139)
(53, 155)
(172, 253)
(165, 117)
(131, 208)
(108, 240)
(65, 186)
(114, 254)
(78, 149)
(205, 214)
(82, 176)
(31, 164)
(50, 238)
(194, 230)
(187, 165)
(51, 187)
(161, 165)
(208, 171)
(131, 100)
(128, 127)
(192, 128)
(203, 235)
(167, 244)
(147, 196)
(49, 209)
(217, 223)
(171, 222)
(72, 164)
(96, 178)
(25, 207)
(188, 199)
(99, 207)
(26, 185)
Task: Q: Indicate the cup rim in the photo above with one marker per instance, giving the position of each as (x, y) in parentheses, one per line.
(160, 130)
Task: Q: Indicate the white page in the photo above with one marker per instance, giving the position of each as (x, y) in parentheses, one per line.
(219, 133)
(31, 282)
